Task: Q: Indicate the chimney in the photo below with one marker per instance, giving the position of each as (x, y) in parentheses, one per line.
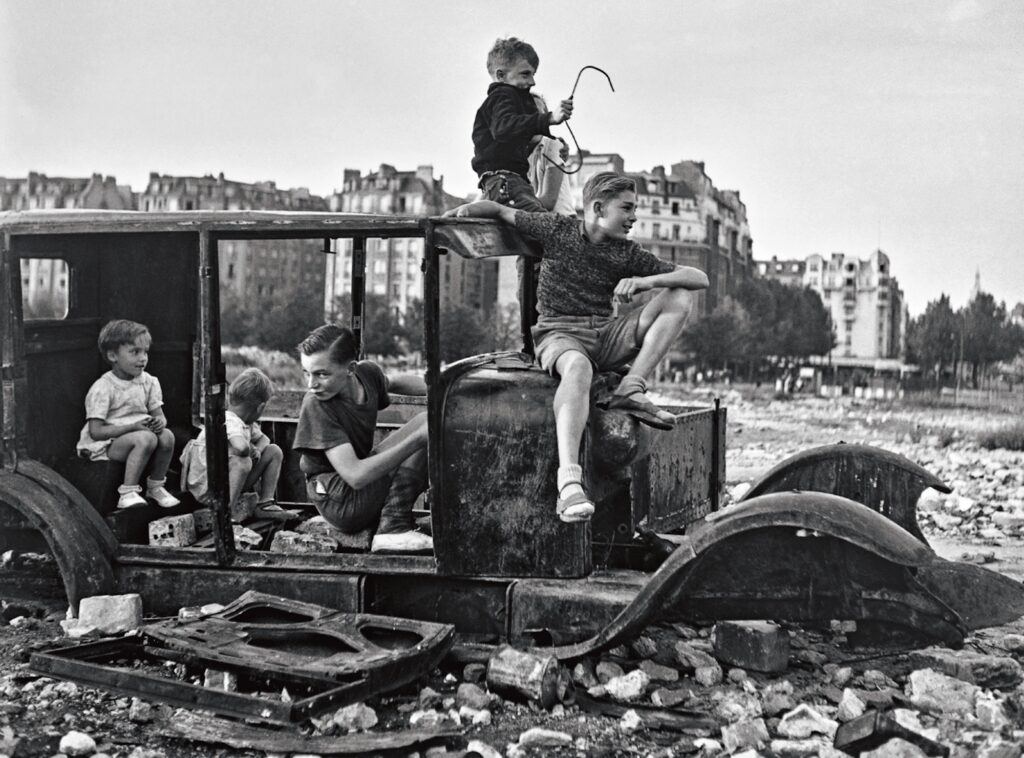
(425, 173)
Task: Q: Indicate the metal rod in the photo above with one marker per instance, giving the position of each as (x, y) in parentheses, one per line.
(358, 290)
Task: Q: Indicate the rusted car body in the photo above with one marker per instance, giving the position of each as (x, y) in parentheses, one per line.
(504, 568)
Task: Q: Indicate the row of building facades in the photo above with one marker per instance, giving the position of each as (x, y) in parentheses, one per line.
(681, 217)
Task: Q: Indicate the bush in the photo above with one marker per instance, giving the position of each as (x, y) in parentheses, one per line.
(283, 369)
(1009, 437)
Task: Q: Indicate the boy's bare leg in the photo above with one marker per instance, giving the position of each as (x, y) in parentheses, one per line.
(239, 469)
(410, 427)
(266, 471)
(572, 407)
(163, 454)
(134, 450)
(661, 323)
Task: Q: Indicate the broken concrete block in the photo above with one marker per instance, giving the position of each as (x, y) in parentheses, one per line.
(744, 735)
(733, 706)
(474, 672)
(111, 614)
(608, 670)
(804, 721)
(990, 671)
(140, 711)
(244, 507)
(246, 538)
(76, 630)
(751, 645)
(628, 686)
(173, 531)
(667, 698)
(850, 707)
(630, 722)
(294, 542)
(357, 717)
(874, 729)
(583, 674)
(937, 693)
(991, 713)
(216, 679)
(816, 748)
(193, 612)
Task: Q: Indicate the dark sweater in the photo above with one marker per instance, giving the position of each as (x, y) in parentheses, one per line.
(503, 127)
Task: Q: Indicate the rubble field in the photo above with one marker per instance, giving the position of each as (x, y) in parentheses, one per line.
(737, 688)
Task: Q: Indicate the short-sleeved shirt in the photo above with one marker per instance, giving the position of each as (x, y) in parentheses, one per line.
(577, 276)
(117, 401)
(194, 475)
(325, 424)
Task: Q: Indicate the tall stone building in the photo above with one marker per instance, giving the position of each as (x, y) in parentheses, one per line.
(683, 218)
(44, 281)
(867, 307)
(248, 268)
(393, 266)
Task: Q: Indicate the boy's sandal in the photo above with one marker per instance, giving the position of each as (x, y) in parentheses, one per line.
(575, 507)
(275, 511)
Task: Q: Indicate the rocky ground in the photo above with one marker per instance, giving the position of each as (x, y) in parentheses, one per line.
(676, 689)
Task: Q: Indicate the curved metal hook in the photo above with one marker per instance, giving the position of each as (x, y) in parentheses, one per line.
(571, 133)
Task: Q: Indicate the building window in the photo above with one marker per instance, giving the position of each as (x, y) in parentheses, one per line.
(675, 231)
(655, 206)
(675, 208)
(656, 231)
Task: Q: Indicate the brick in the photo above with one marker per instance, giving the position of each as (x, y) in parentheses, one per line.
(204, 520)
(752, 645)
(111, 614)
(173, 531)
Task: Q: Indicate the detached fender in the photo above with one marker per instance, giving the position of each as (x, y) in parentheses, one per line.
(80, 543)
(796, 556)
(882, 480)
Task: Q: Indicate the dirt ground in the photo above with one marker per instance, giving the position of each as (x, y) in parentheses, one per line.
(762, 431)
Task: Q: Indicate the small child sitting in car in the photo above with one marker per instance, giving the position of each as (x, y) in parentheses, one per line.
(254, 462)
(124, 417)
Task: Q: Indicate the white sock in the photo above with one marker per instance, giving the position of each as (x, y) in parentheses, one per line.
(569, 478)
(152, 484)
(124, 489)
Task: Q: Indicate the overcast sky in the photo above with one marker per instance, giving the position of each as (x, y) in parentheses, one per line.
(844, 125)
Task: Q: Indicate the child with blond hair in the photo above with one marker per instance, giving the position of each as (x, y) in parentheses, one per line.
(254, 462)
(124, 417)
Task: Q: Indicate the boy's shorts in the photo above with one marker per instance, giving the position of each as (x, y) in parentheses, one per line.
(511, 189)
(341, 506)
(610, 342)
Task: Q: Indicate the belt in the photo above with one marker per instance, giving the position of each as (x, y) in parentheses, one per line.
(500, 172)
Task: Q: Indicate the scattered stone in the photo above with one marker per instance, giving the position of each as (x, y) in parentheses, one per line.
(991, 713)
(895, 748)
(246, 538)
(538, 737)
(707, 745)
(76, 630)
(850, 707)
(429, 698)
(473, 696)
(691, 658)
(752, 645)
(203, 520)
(476, 717)
(628, 686)
(733, 706)
(474, 672)
(427, 719)
(191, 613)
(1012, 643)
(708, 676)
(630, 722)
(77, 743)
(997, 747)
(608, 670)
(933, 692)
(294, 542)
(873, 679)
(482, 749)
(644, 647)
(840, 676)
(658, 673)
(583, 674)
(173, 531)
(140, 711)
(745, 734)
(818, 748)
(805, 720)
(669, 698)
(357, 717)
(111, 614)
(778, 697)
(736, 676)
(813, 657)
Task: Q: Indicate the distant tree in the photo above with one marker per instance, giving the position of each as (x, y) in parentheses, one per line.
(719, 339)
(988, 335)
(464, 331)
(275, 322)
(933, 338)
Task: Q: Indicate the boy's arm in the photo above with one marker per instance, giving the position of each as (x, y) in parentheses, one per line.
(508, 123)
(684, 277)
(484, 209)
(358, 472)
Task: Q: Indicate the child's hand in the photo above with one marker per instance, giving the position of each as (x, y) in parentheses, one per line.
(157, 424)
(562, 113)
(460, 212)
(628, 287)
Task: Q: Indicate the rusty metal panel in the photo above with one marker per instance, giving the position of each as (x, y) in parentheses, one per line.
(558, 612)
(476, 606)
(165, 589)
(494, 506)
(676, 483)
(884, 481)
